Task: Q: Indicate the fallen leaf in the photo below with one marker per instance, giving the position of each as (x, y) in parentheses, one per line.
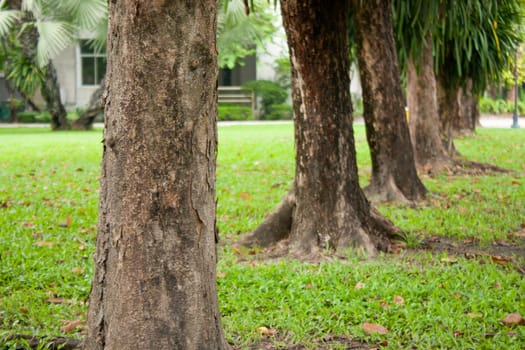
(221, 274)
(512, 319)
(498, 259)
(266, 331)
(496, 286)
(67, 223)
(245, 195)
(474, 315)
(398, 299)
(70, 326)
(237, 251)
(371, 328)
(45, 244)
(457, 295)
(383, 304)
(359, 285)
(23, 310)
(82, 247)
(55, 300)
(77, 270)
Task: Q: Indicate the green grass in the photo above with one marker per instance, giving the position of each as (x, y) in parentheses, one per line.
(48, 206)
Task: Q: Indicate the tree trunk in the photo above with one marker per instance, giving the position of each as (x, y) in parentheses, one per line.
(394, 175)
(457, 109)
(327, 207)
(431, 155)
(155, 283)
(51, 94)
(95, 108)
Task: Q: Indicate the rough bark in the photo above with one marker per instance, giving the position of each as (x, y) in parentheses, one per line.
(154, 285)
(394, 175)
(328, 208)
(94, 109)
(424, 123)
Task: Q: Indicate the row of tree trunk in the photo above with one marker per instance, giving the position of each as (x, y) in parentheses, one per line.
(154, 285)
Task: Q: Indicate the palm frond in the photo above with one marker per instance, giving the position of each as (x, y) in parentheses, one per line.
(54, 37)
(7, 20)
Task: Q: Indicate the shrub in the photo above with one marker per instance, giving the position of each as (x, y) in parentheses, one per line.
(270, 93)
(279, 112)
(27, 117)
(234, 112)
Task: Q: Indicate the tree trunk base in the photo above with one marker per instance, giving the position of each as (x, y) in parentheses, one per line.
(273, 234)
(388, 191)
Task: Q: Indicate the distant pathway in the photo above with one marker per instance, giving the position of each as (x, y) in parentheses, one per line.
(487, 121)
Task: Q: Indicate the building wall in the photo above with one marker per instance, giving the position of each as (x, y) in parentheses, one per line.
(67, 64)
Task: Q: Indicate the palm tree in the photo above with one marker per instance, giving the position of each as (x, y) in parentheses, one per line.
(237, 36)
(43, 29)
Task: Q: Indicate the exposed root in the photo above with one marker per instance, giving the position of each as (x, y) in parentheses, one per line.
(276, 227)
(388, 192)
(469, 167)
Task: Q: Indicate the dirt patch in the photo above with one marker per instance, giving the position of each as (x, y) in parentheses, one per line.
(327, 343)
(500, 251)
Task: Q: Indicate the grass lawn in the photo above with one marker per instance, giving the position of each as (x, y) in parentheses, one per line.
(425, 299)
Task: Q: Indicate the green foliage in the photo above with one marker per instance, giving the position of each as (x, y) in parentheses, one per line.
(46, 259)
(271, 94)
(238, 34)
(499, 106)
(234, 112)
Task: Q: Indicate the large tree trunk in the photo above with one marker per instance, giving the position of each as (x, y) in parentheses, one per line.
(326, 207)
(94, 109)
(394, 175)
(155, 284)
(424, 123)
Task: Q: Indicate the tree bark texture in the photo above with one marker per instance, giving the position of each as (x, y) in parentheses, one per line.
(424, 122)
(394, 175)
(328, 208)
(154, 285)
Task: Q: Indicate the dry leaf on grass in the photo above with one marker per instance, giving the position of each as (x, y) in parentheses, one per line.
(398, 299)
(359, 285)
(45, 244)
(70, 326)
(371, 328)
(513, 319)
(266, 331)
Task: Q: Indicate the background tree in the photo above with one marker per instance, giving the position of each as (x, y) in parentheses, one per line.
(238, 35)
(44, 28)
(154, 285)
(478, 40)
(325, 208)
(394, 175)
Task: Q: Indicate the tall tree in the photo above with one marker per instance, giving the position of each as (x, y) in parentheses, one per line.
(325, 208)
(394, 175)
(154, 285)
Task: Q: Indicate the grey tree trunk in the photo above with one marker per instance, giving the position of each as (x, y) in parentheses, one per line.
(425, 132)
(326, 208)
(155, 283)
(394, 175)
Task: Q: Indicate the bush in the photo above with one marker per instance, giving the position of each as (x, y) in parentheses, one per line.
(27, 117)
(234, 112)
(270, 93)
(279, 112)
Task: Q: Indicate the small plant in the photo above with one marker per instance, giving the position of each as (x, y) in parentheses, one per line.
(234, 112)
(271, 94)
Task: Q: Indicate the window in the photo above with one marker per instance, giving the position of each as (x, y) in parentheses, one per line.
(93, 64)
